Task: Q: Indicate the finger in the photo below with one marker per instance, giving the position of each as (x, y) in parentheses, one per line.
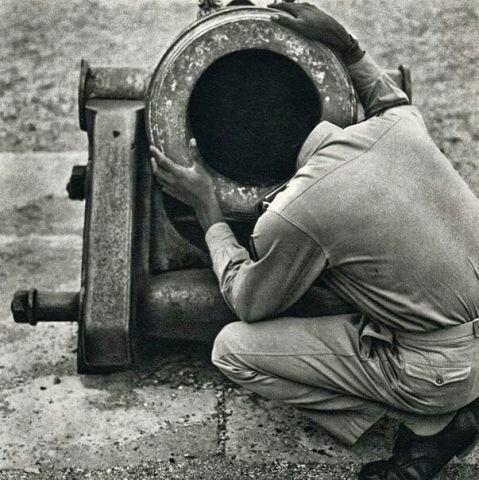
(159, 157)
(290, 8)
(288, 22)
(160, 175)
(164, 178)
(163, 161)
(155, 151)
(154, 166)
(194, 153)
(170, 191)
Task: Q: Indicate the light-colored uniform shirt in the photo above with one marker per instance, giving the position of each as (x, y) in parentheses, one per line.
(376, 211)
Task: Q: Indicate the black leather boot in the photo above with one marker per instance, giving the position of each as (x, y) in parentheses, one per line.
(421, 458)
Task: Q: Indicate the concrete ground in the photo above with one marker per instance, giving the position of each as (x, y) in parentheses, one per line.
(175, 417)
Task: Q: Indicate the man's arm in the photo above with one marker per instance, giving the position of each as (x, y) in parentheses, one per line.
(377, 91)
(287, 260)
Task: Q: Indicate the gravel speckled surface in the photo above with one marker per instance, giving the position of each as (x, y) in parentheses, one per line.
(223, 469)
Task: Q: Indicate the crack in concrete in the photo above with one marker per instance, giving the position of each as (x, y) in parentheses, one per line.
(221, 422)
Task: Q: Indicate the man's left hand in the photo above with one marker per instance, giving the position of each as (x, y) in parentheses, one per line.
(191, 185)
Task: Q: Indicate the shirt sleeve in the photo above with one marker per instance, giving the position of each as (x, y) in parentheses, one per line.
(288, 262)
(377, 91)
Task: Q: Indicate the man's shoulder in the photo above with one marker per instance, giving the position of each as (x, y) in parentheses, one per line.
(323, 134)
(303, 184)
(410, 112)
(326, 151)
(330, 149)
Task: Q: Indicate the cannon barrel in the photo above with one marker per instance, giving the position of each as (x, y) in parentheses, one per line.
(120, 83)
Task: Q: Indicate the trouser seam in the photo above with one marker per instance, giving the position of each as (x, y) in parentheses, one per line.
(261, 354)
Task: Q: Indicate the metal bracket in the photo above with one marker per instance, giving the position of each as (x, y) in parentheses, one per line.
(111, 254)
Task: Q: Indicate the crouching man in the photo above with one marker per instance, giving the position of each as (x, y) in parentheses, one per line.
(378, 213)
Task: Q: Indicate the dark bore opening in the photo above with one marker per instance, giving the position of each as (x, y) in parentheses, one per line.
(250, 112)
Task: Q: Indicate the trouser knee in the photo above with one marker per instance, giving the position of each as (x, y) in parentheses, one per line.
(223, 344)
(227, 347)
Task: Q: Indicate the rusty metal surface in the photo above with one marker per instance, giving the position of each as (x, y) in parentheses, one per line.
(120, 83)
(33, 306)
(214, 36)
(187, 305)
(82, 93)
(169, 249)
(107, 295)
(406, 80)
(178, 305)
(402, 78)
(184, 305)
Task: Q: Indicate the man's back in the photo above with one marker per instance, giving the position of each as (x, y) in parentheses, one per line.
(398, 227)
(379, 214)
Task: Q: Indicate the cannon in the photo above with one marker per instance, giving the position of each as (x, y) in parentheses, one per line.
(249, 91)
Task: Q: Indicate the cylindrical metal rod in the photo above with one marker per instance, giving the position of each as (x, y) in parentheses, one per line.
(126, 83)
(181, 305)
(184, 305)
(119, 83)
(187, 305)
(33, 306)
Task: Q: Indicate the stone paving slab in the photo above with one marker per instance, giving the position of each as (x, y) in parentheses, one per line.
(66, 421)
(259, 429)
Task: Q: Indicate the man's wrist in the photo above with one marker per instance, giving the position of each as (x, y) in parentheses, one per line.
(209, 212)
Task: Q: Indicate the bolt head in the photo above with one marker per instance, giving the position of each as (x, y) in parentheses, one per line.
(19, 306)
(76, 185)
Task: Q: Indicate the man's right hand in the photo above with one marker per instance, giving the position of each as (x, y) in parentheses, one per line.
(313, 23)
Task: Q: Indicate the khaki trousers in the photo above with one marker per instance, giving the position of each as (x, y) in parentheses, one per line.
(345, 372)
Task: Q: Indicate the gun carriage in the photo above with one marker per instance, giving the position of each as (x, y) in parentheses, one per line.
(249, 91)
